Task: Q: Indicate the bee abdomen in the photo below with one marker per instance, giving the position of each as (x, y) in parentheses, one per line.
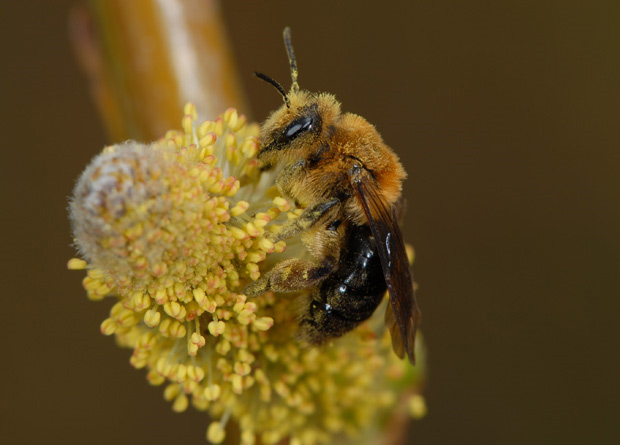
(348, 296)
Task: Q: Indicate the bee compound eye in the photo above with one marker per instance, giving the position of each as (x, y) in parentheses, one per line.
(297, 127)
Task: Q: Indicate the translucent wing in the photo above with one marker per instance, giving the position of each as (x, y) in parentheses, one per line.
(392, 325)
(405, 315)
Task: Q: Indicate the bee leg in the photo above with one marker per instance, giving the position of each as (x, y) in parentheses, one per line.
(290, 176)
(291, 275)
(306, 221)
(296, 274)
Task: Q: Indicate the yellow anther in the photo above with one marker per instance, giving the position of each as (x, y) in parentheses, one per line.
(198, 339)
(238, 233)
(138, 361)
(192, 349)
(216, 328)
(217, 187)
(210, 306)
(96, 274)
(239, 305)
(234, 188)
(273, 213)
(186, 123)
(175, 310)
(161, 297)
(252, 230)
(90, 283)
(231, 116)
(204, 128)
(190, 109)
(241, 121)
(212, 392)
(240, 208)
(146, 341)
(230, 153)
(219, 127)
(180, 403)
(152, 318)
(250, 307)
(266, 245)
(177, 329)
(281, 204)
(76, 264)
(256, 257)
(140, 301)
(242, 368)
(154, 378)
(207, 140)
(216, 433)
(126, 318)
(253, 270)
(199, 296)
(250, 148)
(171, 392)
(95, 295)
(245, 319)
(164, 327)
(263, 323)
(230, 140)
(108, 327)
(195, 373)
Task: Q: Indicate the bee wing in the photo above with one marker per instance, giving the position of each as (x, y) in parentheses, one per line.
(392, 325)
(391, 250)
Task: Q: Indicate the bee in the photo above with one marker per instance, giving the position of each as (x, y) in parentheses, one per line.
(337, 168)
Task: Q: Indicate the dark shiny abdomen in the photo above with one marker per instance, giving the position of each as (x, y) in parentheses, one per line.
(350, 294)
(357, 287)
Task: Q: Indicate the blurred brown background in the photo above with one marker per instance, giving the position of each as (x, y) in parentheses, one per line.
(506, 116)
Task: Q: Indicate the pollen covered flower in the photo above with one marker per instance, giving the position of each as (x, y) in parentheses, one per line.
(173, 231)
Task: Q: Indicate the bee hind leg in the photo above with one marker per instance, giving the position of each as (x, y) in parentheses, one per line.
(295, 274)
(291, 275)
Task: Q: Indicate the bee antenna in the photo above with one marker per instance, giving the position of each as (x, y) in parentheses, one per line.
(276, 85)
(291, 58)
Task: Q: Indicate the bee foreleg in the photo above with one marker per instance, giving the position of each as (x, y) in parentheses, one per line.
(306, 221)
(290, 176)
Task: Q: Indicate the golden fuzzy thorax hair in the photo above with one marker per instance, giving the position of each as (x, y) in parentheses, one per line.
(329, 153)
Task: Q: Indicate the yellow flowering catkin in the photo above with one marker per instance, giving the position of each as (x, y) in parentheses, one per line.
(173, 231)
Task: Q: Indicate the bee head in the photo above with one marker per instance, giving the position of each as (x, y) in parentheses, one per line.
(297, 124)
